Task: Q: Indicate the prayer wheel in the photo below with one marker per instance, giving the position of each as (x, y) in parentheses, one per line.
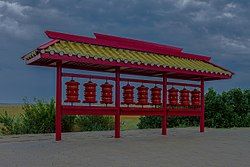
(142, 95)
(155, 95)
(196, 97)
(72, 88)
(173, 96)
(128, 94)
(106, 93)
(90, 92)
(184, 97)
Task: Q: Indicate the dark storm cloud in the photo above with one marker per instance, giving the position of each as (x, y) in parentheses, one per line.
(219, 29)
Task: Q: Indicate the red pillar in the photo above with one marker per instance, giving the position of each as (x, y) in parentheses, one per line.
(202, 117)
(58, 118)
(164, 105)
(117, 103)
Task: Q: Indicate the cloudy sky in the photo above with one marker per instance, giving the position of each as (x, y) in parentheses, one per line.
(220, 29)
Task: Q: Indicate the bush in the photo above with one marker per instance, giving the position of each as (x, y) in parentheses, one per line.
(229, 109)
(95, 123)
(10, 124)
(39, 117)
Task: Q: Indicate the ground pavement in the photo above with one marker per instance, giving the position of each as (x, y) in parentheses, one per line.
(182, 147)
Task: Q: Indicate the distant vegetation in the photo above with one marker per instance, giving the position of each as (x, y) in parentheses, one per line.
(225, 110)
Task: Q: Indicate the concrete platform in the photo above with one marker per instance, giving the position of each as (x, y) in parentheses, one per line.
(182, 147)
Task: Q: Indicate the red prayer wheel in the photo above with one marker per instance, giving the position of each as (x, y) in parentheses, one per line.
(106, 93)
(196, 97)
(184, 97)
(90, 92)
(142, 95)
(128, 94)
(155, 95)
(72, 88)
(173, 96)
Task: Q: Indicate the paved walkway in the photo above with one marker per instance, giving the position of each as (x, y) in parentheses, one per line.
(183, 147)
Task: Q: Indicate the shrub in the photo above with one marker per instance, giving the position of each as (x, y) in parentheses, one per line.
(38, 117)
(225, 110)
(10, 124)
(229, 109)
(95, 123)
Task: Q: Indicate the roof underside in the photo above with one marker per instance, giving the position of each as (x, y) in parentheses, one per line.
(104, 53)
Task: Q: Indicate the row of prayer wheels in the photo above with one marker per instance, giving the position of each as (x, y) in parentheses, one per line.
(142, 93)
(184, 96)
(72, 95)
(174, 95)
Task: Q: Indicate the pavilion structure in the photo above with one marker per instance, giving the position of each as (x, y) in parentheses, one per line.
(172, 82)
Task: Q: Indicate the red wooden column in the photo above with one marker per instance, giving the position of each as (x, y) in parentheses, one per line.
(117, 102)
(202, 117)
(164, 105)
(58, 118)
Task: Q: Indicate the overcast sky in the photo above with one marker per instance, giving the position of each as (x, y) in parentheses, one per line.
(217, 28)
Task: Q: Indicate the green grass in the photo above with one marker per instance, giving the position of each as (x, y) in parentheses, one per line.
(127, 122)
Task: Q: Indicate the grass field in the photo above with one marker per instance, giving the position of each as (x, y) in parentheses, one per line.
(127, 122)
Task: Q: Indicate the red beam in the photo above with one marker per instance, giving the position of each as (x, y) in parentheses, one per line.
(184, 112)
(140, 80)
(141, 111)
(86, 76)
(88, 110)
(183, 84)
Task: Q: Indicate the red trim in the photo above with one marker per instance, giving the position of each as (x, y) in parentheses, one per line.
(129, 65)
(43, 46)
(138, 45)
(125, 43)
(194, 56)
(135, 42)
(220, 67)
(33, 59)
